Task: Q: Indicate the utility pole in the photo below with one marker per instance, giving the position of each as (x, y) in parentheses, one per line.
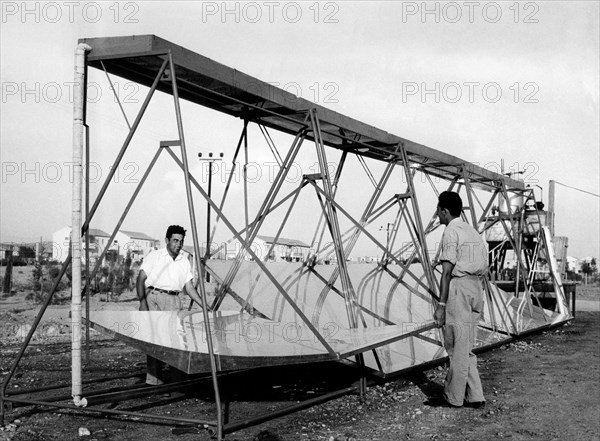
(210, 159)
(550, 220)
(8, 273)
(388, 229)
(39, 262)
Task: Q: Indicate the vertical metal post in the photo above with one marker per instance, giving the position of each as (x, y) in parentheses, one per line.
(87, 213)
(78, 122)
(188, 191)
(207, 251)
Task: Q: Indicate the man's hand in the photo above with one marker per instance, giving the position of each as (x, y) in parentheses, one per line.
(440, 315)
(140, 287)
(183, 313)
(191, 291)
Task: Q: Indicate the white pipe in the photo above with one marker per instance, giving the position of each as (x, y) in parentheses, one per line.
(78, 106)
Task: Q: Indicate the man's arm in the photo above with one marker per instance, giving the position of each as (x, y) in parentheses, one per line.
(191, 291)
(140, 287)
(440, 311)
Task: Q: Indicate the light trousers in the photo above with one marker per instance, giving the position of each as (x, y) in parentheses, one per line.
(158, 301)
(463, 309)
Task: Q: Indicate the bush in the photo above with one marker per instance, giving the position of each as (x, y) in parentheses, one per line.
(4, 262)
(53, 271)
(114, 278)
(36, 276)
(40, 297)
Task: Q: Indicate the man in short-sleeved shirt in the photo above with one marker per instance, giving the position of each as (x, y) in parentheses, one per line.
(163, 274)
(464, 262)
(464, 248)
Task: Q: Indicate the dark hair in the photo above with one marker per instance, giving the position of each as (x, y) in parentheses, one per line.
(452, 201)
(175, 229)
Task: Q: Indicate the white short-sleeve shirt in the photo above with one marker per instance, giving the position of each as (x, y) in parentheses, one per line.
(165, 273)
(463, 246)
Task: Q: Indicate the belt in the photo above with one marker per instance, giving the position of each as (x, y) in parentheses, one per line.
(468, 276)
(164, 291)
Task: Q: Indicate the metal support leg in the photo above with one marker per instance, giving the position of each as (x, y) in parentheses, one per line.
(188, 190)
(349, 294)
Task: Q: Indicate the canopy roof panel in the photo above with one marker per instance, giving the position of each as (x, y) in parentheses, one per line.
(203, 81)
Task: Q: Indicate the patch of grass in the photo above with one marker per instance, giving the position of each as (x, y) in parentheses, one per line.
(57, 298)
(588, 291)
(8, 294)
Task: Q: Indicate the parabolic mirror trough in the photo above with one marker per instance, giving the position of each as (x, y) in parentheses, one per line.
(315, 300)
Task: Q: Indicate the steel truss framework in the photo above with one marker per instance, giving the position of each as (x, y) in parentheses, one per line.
(389, 303)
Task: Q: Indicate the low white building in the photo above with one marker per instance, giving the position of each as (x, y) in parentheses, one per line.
(62, 238)
(283, 250)
(574, 264)
(138, 244)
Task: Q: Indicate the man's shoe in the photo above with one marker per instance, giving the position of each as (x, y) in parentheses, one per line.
(475, 404)
(153, 381)
(439, 402)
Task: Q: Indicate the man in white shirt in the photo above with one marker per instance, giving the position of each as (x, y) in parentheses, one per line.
(163, 274)
(464, 262)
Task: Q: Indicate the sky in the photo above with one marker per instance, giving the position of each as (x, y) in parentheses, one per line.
(500, 84)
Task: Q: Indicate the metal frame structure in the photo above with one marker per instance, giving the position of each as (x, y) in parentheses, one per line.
(165, 67)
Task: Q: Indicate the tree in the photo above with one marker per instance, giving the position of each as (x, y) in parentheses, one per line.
(26, 252)
(589, 268)
(594, 268)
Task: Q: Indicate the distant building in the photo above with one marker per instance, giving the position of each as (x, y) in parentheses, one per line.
(27, 251)
(61, 240)
(284, 250)
(5, 250)
(216, 254)
(138, 244)
(576, 265)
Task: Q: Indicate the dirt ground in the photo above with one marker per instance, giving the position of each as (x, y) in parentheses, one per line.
(543, 387)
